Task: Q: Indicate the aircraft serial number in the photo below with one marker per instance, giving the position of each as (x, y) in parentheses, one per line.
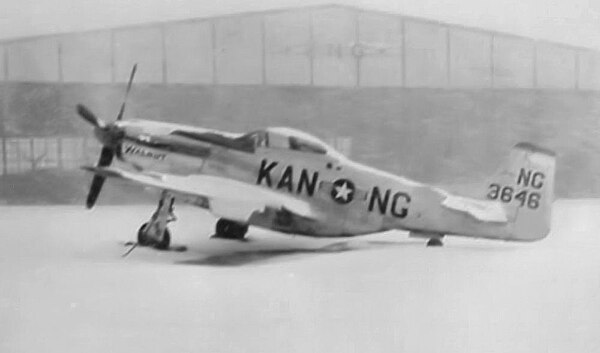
(506, 194)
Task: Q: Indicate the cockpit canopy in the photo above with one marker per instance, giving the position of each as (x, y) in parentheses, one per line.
(290, 139)
(273, 138)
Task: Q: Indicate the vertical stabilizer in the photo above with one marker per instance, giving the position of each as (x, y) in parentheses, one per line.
(526, 187)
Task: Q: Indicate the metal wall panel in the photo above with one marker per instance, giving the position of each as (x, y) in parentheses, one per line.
(18, 155)
(44, 153)
(426, 54)
(470, 59)
(86, 57)
(2, 62)
(334, 38)
(555, 67)
(33, 60)
(513, 62)
(380, 50)
(189, 52)
(239, 50)
(288, 48)
(589, 70)
(143, 46)
(72, 152)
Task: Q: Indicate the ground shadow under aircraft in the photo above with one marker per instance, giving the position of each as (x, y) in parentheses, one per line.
(245, 257)
(237, 257)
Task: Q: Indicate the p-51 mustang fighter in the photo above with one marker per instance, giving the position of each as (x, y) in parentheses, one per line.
(289, 181)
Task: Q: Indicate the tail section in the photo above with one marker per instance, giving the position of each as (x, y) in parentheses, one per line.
(526, 187)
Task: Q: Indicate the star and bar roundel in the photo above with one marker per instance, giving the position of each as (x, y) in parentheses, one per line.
(342, 191)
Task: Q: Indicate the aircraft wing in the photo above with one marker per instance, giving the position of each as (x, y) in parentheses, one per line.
(227, 198)
(482, 210)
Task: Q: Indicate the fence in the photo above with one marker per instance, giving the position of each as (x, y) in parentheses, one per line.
(26, 154)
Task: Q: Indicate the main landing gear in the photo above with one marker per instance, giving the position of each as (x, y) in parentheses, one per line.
(227, 229)
(155, 232)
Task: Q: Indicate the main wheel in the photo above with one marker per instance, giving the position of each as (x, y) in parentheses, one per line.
(165, 242)
(144, 240)
(230, 229)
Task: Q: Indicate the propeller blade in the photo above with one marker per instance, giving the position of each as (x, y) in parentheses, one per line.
(106, 157)
(122, 110)
(108, 135)
(95, 188)
(88, 116)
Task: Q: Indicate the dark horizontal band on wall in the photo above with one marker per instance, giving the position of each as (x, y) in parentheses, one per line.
(433, 135)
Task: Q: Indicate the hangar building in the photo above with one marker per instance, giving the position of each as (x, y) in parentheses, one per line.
(429, 100)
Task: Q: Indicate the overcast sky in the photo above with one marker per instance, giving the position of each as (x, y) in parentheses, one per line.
(574, 22)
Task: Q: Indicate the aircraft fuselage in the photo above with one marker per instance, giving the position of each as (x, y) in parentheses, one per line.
(356, 199)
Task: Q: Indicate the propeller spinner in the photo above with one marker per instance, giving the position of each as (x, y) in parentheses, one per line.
(109, 135)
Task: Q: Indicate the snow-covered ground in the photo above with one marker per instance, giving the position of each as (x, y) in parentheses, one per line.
(65, 288)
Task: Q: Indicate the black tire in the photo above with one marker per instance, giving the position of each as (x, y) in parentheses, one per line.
(142, 238)
(435, 242)
(165, 242)
(242, 230)
(230, 229)
(222, 228)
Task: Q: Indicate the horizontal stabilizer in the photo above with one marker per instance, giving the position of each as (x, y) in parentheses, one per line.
(482, 210)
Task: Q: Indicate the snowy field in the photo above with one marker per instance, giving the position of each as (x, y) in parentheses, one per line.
(65, 288)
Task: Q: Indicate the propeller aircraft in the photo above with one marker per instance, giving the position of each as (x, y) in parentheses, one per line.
(292, 182)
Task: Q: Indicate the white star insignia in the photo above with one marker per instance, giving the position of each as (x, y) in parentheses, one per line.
(342, 192)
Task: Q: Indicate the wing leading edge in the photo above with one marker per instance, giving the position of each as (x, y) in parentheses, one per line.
(227, 198)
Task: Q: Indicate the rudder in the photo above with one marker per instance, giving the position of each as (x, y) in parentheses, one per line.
(526, 187)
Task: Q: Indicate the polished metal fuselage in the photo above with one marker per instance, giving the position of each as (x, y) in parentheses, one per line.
(354, 199)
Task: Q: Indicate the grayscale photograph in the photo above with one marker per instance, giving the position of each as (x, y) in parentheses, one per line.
(299, 176)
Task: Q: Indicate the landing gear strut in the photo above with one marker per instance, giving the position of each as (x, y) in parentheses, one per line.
(227, 229)
(155, 232)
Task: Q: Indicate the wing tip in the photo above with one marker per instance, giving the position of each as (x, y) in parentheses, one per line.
(103, 171)
(89, 168)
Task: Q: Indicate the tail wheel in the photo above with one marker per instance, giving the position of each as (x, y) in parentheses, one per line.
(435, 242)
